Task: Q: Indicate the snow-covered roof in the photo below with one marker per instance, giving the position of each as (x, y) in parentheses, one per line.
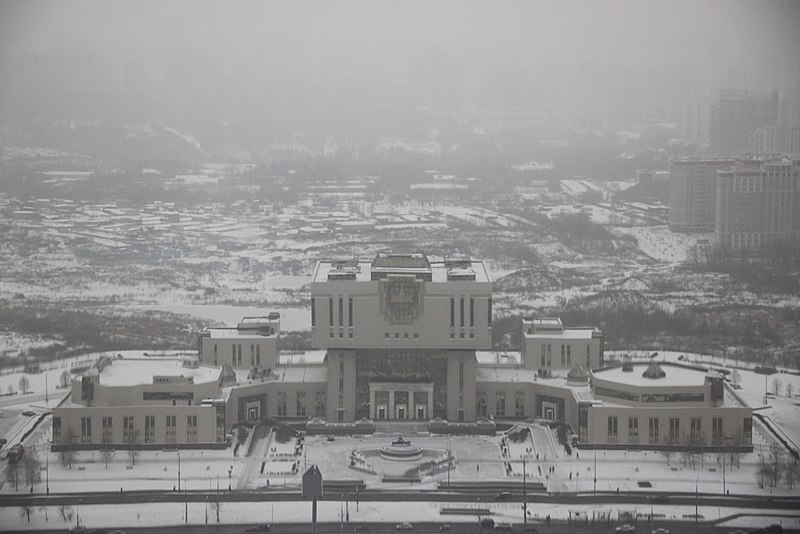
(133, 372)
(438, 270)
(674, 376)
(567, 333)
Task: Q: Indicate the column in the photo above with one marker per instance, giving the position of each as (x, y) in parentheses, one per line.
(412, 407)
(391, 414)
(429, 408)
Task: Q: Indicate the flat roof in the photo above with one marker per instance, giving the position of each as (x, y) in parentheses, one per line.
(567, 333)
(675, 376)
(136, 371)
(231, 332)
(438, 271)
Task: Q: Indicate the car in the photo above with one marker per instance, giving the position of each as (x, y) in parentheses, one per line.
(361, 528)
(3, 441)
(263, 527)
(661, 498)
(503, 525)
(404, 526)
(661, 531)
(487, 522)
(444, 528)
(625, 528)
(503, 496)
(29, 413)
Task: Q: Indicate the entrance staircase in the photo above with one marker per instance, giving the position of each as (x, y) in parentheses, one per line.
(400, 427)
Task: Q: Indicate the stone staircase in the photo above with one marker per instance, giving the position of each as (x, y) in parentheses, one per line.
(400, 427)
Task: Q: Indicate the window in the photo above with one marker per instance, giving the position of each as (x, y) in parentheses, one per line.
(258, 355)
(461, 376)
(544, 355)
(716, 431)
(56, 430)
(252, 355)
(330, 311)
(86, 429)
(653, 430)
(489, 313)
(319, 404)
(149, 428)
(633, 430)
(588, 357)
(107, 435)
(350, 312)
(461, 312)
(747, 430)
(481, 408)
(301, 403)
(519, 403)
(313, 312)
(215, 354)
(612, 429)
(696, 430)
(563, 355)
(674, 430)
(341, 311)
(233, 355)
(471, 312)
(500, 404)
(549, 355)
(569, 355)
(171, 429)
(128, 430)
(281, 403)
(191, 428)
(452, 313)
(239, 354)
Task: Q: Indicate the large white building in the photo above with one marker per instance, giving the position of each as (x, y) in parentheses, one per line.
(401, 337)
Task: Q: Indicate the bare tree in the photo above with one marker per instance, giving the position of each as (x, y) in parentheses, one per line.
(789, 389)
(27, 508)
(13, 472)
(68, 455)
(32, 469)
(10, 389)
(131, 439)
(776, 386)
(65, 379)
(65, 511)
(24, 384)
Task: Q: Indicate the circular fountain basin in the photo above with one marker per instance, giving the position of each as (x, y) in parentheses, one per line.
(401, 449)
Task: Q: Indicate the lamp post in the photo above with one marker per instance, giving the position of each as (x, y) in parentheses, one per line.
(524, 493)
(595, 471)
(47, 467)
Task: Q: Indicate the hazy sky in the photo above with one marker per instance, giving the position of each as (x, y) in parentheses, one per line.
(325, 33)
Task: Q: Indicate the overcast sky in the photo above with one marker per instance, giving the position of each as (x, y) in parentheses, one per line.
(702, 34)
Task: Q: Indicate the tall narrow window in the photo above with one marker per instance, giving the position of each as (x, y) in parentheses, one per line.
(471, 312)
(313, 312)
(716, 431)
(612, 429)
(149, 428)
(653, 431)
(301, 403)
(674, 430)
(56, 430)
(452, 313)
(258, 355)
(519, 403)
(633, 430)
(341, 311)
(86, 429)
(330, 311)
(461, 312)
(563, 355)
(107, 428)
(350, 312)
(489, 312)
(281, 403)
(191, 428)
(171, 428)
(500, 404)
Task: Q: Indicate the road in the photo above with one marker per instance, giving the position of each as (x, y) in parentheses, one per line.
(433, 528)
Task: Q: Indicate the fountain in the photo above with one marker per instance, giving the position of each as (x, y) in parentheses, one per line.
(401, 449)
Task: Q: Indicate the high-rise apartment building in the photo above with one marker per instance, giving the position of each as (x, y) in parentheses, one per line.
(736, 114)
(691, 193)
(758, 203)
(775, 140)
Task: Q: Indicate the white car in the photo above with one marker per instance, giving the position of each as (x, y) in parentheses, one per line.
(404, 526)
(625, 528)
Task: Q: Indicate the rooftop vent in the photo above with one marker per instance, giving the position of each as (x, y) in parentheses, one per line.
(654, 371)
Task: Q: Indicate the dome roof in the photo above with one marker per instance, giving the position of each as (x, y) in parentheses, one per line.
(577, 375)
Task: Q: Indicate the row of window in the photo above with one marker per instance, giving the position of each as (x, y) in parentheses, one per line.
(339, 318)
(236, 355)
(461, 304)
(674, 436)
(131, 434)
(500, 404)
(566, 355)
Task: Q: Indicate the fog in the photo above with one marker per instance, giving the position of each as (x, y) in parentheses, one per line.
(302, 64)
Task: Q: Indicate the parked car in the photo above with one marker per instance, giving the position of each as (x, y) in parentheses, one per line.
(625, 528)
(444, 528)
(29, 413)
(503, 525)
(661, 531)
(503, 496)
(404, 526)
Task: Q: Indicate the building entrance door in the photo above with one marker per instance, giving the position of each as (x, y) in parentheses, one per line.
(252, 414)
(549, 413)
(421, 411)
(401, 411)
(382, 412)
